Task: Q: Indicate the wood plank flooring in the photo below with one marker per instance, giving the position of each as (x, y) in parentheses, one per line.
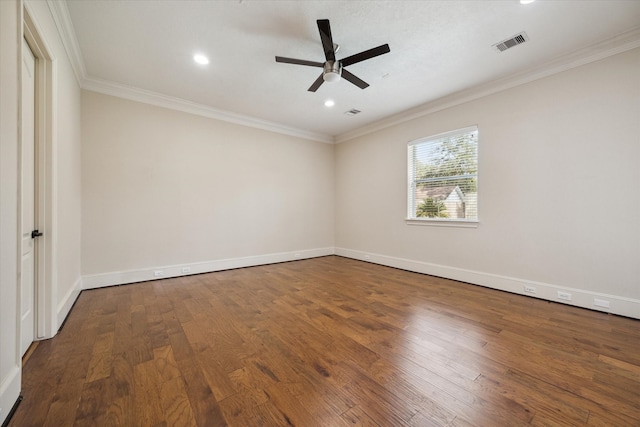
(330, 342)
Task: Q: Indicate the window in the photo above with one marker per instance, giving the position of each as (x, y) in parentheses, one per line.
(443, 177)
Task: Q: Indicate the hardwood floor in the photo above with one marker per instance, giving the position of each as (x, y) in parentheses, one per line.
(330, 342)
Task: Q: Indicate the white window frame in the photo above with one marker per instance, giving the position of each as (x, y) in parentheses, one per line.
(411, 185)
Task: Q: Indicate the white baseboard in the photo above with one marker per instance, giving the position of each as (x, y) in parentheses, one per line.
(581, 298)
(9, 391)
(619, 305)
(122, 277)
(65, 304)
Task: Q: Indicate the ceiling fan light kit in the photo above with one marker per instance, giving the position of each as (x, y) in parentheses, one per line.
(332, 69)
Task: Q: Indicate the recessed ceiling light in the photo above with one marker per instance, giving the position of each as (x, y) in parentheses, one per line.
(201, 59)
(526, 1)
(329, 103)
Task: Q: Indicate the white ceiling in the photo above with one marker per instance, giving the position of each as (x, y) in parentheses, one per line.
(438, 48)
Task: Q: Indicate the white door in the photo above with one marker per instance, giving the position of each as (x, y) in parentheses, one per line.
(27, 196)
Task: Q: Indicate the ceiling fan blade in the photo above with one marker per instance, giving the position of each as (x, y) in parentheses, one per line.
(358, 57)
(299, 61)
(314, 87)
(327, 41)
(353, 79)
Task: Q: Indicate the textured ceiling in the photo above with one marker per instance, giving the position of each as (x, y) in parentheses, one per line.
(438, 48)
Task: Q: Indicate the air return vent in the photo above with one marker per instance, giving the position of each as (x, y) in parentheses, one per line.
(511, 42)
(352, 112)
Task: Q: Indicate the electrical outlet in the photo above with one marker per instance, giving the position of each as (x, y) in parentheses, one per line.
(530, 289)
(186, 270)
(157, 273)
(601, 303)
(564, 295)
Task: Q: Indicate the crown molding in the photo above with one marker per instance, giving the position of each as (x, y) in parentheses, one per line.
(612, 46)
(615, 45)
(62, 19)
(165, 101)
(64, 25)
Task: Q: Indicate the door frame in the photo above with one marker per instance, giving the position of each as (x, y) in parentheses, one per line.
(27, 195)
(45, 188)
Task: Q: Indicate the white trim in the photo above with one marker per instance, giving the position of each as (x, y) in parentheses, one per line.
(443, 135)
(613, 46)
(64, 26)
(601, 50)
(67, 302)
(172, 103)
(9, 391)
(62, 19)
(123, 277)
(619, 305)
(442, 222)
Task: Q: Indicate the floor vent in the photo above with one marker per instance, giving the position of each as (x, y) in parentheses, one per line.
(511, 42)
(352, 112)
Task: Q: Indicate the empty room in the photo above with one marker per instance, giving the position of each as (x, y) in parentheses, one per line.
(319, 213)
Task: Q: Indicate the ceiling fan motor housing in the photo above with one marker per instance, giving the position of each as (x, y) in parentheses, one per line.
(332, 71)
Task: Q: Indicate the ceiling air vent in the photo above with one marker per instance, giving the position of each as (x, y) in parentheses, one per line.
(511, 42)
(352, 112)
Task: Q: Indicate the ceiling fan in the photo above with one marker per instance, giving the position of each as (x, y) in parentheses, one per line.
(333, 69)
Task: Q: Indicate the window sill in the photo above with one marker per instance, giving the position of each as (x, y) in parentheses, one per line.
(442, 223)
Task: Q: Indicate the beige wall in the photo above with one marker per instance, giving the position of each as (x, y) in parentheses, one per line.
(69, 180)
(10, 362)
(162, 188)
(558, 157)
